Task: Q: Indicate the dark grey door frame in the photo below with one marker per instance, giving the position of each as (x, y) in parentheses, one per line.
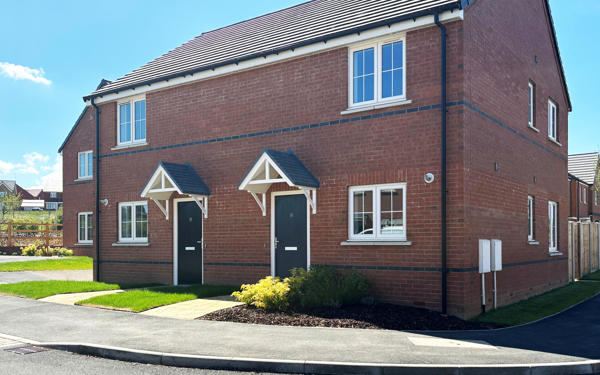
(176, 202)
(308, 213)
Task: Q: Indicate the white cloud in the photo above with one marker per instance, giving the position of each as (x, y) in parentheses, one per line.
(31, 164)
(53, 180)
(23, 72)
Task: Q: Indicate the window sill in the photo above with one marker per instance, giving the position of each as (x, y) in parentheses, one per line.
(533, 242)
(555, 141)
(533, 128)
(129, 145)
(375, 106)
(83, 244)
(135, 244)
(555, 253)
(84, 179)
(375, 243)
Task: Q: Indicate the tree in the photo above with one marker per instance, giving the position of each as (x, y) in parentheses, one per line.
(9, 203)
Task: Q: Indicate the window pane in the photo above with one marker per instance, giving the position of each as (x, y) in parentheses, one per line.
(140, 120)
(81, 228)
(89, 227)
(126, 221)
(386, 84)
(125, 122)
(386, 57)
(90, 163)
(398, 61)
(81, 165)
(398, 88)
(369, 87)
(358, 90)
(391, 201)
(358, 63)
(363, 212)
(369, 56)
(141, 221)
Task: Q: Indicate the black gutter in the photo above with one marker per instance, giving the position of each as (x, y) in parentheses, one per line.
(276, 51)
(97, 189)
(443, 162)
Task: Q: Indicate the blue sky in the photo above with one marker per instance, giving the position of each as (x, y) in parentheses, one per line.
(61, 50)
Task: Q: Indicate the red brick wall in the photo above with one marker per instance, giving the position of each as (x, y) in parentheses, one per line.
(78, 195)
(505, 38)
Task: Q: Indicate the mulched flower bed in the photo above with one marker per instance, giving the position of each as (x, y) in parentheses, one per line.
(378, 316)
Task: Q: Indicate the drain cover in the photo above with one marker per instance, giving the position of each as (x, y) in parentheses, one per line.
(26, 349)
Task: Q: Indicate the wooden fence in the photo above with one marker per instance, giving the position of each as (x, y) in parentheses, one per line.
(584, 249)
(14, 235)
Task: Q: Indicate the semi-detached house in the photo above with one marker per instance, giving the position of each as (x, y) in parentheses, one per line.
(382, 136)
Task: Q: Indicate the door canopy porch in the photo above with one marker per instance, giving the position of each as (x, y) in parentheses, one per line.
(169, 178)
(273, 167)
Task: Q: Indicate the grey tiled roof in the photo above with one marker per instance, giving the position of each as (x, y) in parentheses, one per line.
(185, 178)
(293, 168)
(10, 184)
(300, 25)
(584, 166)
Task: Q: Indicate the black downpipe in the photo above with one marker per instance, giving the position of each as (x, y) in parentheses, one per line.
(97, 170)
(443, 172)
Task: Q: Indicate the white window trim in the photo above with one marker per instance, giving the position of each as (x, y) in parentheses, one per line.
(583, 193)
(552, 121)
(552, 231)
(376, 213)
(79, 239)
(133, 238)
(377, 45)
(531, 105)
(87, 175)
(595, 198)
(133, 142)
(530, 219)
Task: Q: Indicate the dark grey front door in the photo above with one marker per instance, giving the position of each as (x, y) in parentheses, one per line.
(189, 243)
(290, 233)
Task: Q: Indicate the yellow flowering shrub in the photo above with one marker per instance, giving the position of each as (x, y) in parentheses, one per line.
(270, 293)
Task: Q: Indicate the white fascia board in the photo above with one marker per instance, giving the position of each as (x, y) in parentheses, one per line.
(378, 32)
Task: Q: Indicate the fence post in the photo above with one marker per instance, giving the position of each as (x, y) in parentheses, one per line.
(9, 235)
(46, 235)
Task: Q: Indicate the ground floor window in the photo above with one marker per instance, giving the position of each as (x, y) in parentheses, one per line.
(133, 222)
(51, 205)
(530, 217)
(553, 225)
(377, 212)
(85, 227)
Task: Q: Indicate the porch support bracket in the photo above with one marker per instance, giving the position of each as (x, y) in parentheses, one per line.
(164, 209)
(261, 203)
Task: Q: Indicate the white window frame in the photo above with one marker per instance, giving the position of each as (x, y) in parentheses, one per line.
(530, 219)
(531, 104)
(583, 190)
(378, 46)
(85, 216)
(595, 198)
(88, 174)
(376, 236)
(552, 226)
(131, 100)
(52, 205)
(52, 195)
(133, 237)
(552, 120)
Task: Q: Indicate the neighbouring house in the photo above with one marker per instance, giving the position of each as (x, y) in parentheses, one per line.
(52, 197)
(11, 187)
(32, 205)
(583, 186)
(382, 136)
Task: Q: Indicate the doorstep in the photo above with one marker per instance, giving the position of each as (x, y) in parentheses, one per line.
(189, 310)
(72, 298)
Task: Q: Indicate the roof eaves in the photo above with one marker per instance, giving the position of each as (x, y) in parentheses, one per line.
(558, 57)
(439, 9)
(72, 130)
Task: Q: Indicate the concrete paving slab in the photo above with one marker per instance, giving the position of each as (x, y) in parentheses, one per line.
(193, 309)
(16, 277)
(18, 258)
(71, 298)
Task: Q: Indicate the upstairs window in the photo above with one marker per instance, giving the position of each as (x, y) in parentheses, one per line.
(552, 121)
(595, 198)
(52, 195)
(377, 73)
(531, 90)
(85, 164)
(131, 121)
(583, 194)
(133, 222)
(530, 217)
(377, 212)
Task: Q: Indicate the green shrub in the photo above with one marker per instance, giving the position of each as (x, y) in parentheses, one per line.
(37, 249)
(319, 287)
(269, 293)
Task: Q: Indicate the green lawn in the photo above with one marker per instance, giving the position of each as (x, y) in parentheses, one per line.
(141, 300)
(50, 216)
(41, 289)
(592, 276)
(65, 263)
(541, 306)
